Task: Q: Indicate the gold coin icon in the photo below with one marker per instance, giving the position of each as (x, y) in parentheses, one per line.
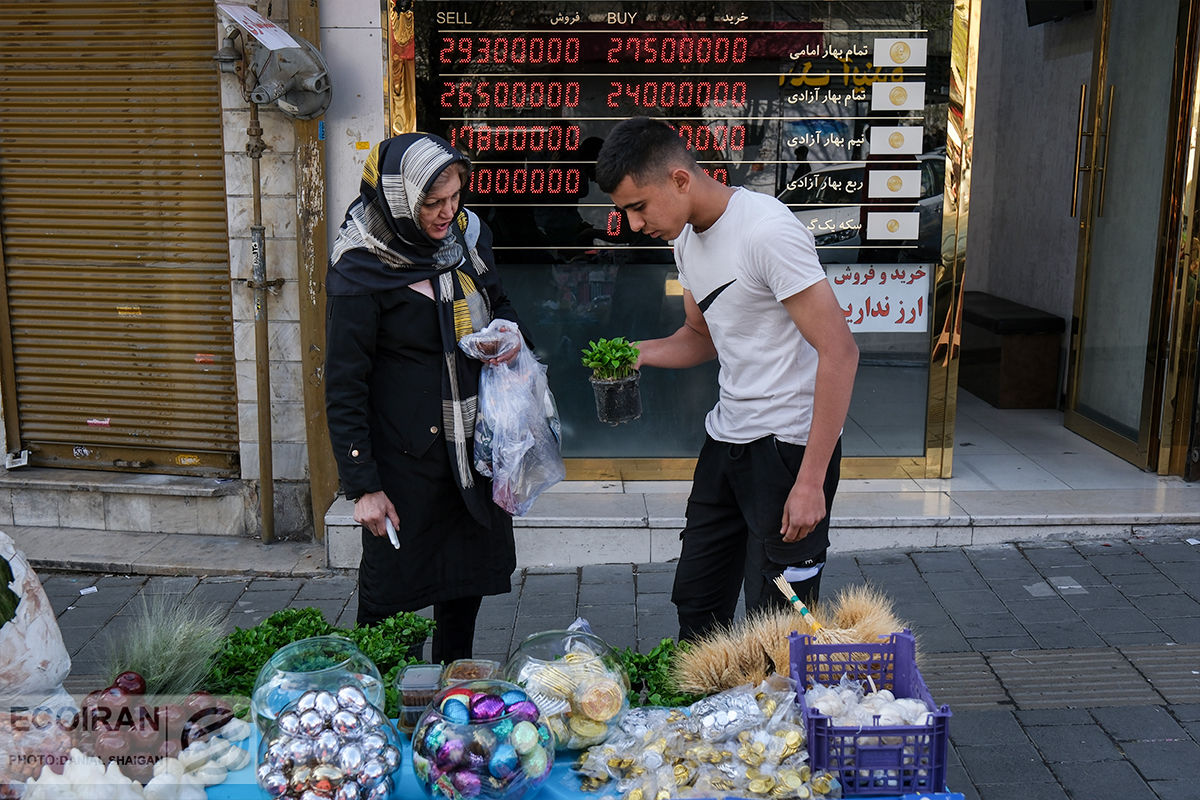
(896, 140)
(900, 51)
(895, 183)
(893, 225)
(898, 95)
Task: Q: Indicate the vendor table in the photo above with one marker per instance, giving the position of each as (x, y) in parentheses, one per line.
(563, 783)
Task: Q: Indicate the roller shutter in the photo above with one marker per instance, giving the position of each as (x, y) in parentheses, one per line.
(115, 248)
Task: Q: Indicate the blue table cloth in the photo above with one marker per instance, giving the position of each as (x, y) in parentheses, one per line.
(562, 784)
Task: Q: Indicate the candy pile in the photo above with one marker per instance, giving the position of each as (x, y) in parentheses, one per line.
(482, 737)
(330, 745)
(582, 693)
(745, 742)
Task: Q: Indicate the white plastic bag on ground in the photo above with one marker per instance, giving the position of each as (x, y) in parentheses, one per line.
(517, 429)
(33, 664)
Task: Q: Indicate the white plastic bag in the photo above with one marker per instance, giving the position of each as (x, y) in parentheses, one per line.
(517, 429)
(33, 664)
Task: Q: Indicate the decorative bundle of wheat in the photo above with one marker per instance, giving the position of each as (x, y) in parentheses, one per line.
(750, 650)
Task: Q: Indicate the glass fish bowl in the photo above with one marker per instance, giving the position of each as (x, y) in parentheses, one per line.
(330, 743)
(321, 662)
(482, 738)
(578, 682)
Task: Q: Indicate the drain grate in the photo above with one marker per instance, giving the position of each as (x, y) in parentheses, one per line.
(1071, 678)
(1174, 669)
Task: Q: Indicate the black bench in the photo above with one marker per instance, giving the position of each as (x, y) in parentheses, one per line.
(1010, 352)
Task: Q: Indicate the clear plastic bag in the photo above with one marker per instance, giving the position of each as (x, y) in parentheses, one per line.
(517, 429)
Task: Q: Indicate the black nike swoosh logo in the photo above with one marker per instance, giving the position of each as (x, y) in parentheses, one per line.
(708, 301)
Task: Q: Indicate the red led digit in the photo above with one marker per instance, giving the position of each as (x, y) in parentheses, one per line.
(687, 50)
(613, 49)
(447, 49)
(741, 46)
(499, 50)
(572, 50)
(614, 223)
(537, 50)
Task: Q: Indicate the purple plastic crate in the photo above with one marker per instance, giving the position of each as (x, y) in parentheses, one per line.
(881, 759)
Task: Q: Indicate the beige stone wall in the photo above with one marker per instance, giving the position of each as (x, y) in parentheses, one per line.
(277, 183)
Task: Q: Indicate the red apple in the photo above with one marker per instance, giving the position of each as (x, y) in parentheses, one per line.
(131, 682)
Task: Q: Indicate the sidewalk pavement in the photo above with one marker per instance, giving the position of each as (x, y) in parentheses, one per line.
(1072, 668)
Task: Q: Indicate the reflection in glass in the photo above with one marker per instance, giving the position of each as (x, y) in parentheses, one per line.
(837, 108)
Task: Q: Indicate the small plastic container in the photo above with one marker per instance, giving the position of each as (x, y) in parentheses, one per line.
(470, 669)
(417, 684)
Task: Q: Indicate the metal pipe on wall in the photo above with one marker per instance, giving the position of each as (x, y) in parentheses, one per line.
(262, 348)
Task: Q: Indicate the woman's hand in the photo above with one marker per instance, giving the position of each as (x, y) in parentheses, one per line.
(372, 510)
(507, 355)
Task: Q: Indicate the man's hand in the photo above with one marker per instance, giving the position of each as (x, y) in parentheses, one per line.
(372, 509)
(805, 507)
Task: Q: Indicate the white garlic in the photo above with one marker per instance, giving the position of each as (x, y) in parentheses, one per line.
(168, 766)
(233, 759)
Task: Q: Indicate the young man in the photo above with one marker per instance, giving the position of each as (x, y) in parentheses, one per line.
(756, 298)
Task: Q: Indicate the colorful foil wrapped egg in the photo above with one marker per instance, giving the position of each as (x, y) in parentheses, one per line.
(501, 749)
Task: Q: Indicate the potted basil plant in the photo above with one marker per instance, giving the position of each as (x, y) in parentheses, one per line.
(614, 379)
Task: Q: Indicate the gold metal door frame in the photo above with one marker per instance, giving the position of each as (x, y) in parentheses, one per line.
(1165, 360)
(945, 303)
(1183, 292)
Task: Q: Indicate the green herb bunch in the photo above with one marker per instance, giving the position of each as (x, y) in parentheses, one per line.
(610, 359)
(244, 651)
(650, 681)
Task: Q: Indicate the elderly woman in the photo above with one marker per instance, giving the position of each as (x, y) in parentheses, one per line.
(410, 274)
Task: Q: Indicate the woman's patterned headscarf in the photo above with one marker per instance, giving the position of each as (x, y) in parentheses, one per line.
(381, 246)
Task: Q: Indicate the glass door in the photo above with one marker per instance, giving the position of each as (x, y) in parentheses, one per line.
(1126, 138)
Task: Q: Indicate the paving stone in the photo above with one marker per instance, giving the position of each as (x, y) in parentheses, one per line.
(942, 561)
(969, 728)
(942, 639)
(968, 602)
(1005, 762)
(1102, 779)
(215, 592)
(984, 625)
(276, 585)
(1185, 712)
(602, 618)
(1117, 620)
(1032, 589)
(331, 588)
(654, 582)
(1163, 606)
(598, 594)
(1022, 641)
(606, 573)
(1174, 790)
(1114, 564)
(958, 780)
(170, 584)
(1166, 552)
(1144, 585)
(1165, 760)
(80, 617)
(1138, 723)
(1028, 791)
(1060, 743)
(1135, 638)
(1181, 629)
(1052, 554)
(264, 601)
(1037, 717)
(653, 628)
(550, 583)
(884, 557)
(1063, 634)
(656, 566)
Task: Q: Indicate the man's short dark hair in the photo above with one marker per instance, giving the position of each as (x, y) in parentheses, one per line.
(641, 148)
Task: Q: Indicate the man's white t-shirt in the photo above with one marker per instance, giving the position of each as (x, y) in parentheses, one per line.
(738, 270)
